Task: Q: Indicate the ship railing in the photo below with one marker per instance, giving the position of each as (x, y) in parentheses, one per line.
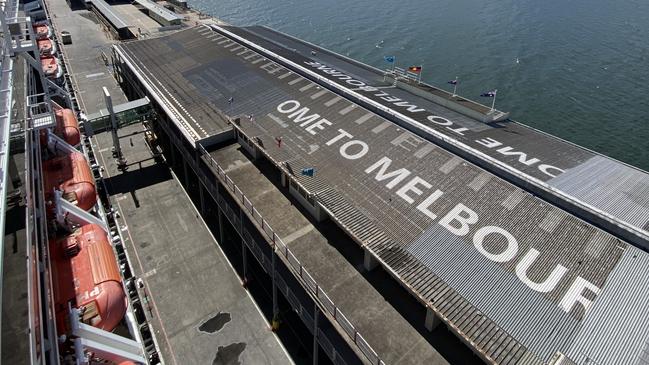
(297, 268)
(8, 8)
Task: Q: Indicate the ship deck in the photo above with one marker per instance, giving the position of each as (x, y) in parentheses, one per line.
(188, 280)
(404, 199)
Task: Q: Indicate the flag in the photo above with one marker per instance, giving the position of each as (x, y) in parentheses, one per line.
(415, 69)
(453, 82)
(489, 94)
(309, 171)
(231, 100)
(389, 59)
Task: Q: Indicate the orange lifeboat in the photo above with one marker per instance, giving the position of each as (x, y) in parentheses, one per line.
(71, 174)
(67, 126)
(51, 67)
(46, 47)
(42, 30)
(85, 273)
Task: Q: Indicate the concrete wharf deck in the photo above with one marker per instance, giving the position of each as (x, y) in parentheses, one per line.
(188, 280)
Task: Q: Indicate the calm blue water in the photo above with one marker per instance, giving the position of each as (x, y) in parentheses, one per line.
(583, 65)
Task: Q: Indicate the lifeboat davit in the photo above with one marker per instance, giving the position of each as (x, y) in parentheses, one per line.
(85, 273)
(42, 30)
(46, 47)
(51, 67)
(71, 174)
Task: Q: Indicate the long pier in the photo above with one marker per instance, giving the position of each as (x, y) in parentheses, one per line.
(427, 214)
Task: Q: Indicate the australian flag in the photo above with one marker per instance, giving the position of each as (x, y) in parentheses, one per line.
(489, 94)
(452, 82)
(389, 59)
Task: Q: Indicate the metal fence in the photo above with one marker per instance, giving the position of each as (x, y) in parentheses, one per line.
(299, 271)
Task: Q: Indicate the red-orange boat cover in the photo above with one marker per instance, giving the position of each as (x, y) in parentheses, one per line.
(67, 126)
(49, 65)
(85, 273)
(41, 30)
(71, 174)
(44, 45)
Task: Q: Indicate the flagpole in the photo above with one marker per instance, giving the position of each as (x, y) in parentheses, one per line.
(421, 71)
(493, 103)
(455, 87)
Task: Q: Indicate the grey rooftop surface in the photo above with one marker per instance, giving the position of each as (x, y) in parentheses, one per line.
(113, 17)
(163, 12)
(188, 280)
(136, 19)
(516, 277)
(394, 339)
(184, 98)
(83, 56)
(618, 191)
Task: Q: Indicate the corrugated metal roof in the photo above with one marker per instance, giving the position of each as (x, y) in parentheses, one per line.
(160, 10)
(483, 299)
(525, 152)
(611, 186)
(108, 12)
(201, 119)
(618, 336)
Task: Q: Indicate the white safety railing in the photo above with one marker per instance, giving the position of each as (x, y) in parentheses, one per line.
(298, 269)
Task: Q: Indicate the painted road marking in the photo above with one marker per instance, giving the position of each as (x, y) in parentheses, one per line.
(285, 75)
(333, 101)
(319, 94)
(381, 127)
(364, 118)
(347, 109)
(307, 87)
(278, 120)
(295, 81)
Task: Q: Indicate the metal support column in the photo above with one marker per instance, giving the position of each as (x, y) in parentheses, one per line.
(275, 321)
(220, 227)
(316, 315)
(201, 197)
(186, 174)
(117, 152)
(103, 344)
(201, 193)
(173, 152)
(244, 255)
